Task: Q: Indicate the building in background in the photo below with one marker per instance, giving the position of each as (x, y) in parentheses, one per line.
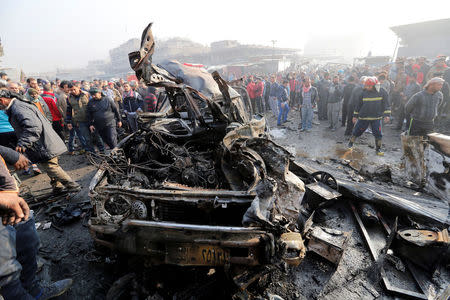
(428, 39)
(242, 59)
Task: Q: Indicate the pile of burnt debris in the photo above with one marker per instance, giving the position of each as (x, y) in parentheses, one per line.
(202, 185)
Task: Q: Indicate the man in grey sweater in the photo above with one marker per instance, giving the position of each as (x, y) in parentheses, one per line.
(423, 107)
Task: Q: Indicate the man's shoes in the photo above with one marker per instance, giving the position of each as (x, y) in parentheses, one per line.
(55, 289)
(350, 145)
(333, 129)
(36, 170)
(380, 153)
(71, 153)
(302, 130)
(75, 188)
(82, 151)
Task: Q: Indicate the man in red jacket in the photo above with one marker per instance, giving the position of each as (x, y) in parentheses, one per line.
(258, 93)
(251, 86)
(51, 100)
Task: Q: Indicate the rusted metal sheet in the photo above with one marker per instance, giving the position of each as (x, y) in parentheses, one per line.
(328, 243)
(424, 237)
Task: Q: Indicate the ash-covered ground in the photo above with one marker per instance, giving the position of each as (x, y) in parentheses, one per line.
(69, 251)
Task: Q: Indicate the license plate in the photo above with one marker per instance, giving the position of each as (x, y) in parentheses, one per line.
(197, 255)
(210, 255)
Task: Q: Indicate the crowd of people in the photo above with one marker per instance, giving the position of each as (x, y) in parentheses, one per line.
(40, 120)
(410, 94)
(36, 119)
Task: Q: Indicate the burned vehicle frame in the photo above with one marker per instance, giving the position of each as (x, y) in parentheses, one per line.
(198, 184)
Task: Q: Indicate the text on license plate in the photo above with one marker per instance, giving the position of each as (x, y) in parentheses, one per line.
(213, 255)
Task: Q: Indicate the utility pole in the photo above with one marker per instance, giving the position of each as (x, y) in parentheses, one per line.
(273, 55)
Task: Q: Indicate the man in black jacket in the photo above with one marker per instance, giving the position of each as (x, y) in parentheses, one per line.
(347, 94)
(370, 108)
(356, 93)
(323, 89)
(132, 104)
(102, 116)
(37, 139)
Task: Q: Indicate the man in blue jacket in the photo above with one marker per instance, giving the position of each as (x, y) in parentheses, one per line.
(283, 103)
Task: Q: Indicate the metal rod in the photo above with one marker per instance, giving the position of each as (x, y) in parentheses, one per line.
(170, 225)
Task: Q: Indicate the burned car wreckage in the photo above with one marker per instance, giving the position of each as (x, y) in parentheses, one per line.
(201, 182)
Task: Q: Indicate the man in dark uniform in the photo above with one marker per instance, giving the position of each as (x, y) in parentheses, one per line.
(370, 108)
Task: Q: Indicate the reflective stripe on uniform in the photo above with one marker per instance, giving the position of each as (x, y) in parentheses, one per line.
(371, 119)
(373, 99)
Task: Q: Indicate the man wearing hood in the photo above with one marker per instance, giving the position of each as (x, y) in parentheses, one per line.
(423, 107)
(102, 115)
(37, 139)
(370, 107)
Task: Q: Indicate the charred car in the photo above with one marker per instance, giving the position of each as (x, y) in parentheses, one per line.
(201, 183)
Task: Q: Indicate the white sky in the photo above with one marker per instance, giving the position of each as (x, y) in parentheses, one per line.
(46, 34)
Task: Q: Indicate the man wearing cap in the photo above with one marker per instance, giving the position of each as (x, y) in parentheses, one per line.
(102, 115)
(423, 107)
(369, 109)
(37, 139)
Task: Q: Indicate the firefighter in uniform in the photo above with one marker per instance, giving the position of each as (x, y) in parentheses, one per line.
(369, 109)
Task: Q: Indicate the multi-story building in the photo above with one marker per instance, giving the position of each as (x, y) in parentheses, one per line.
(427, 39)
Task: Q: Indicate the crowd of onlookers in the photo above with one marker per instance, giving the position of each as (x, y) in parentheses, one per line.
(68, 107)
(338, 95)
